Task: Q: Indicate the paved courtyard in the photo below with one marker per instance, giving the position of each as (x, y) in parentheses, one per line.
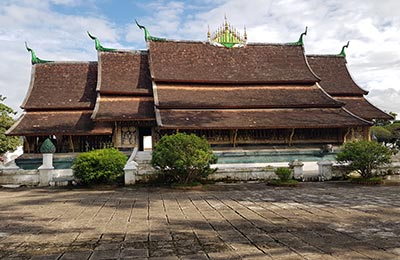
(230, 221)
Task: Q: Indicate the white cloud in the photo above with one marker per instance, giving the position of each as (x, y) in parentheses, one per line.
(52, 35)
(386, 99)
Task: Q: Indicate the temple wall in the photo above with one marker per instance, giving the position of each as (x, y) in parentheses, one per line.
(288, 137)
(125, 135)
(357, 133)
(68, 143)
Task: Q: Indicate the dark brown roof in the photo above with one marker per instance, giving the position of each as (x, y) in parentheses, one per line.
(124, 108)
(59, 122)
(62, 85)
(124, 73)
(202, 62)
(362, 108)
(258, 118)
(242, 96)
(335, 78)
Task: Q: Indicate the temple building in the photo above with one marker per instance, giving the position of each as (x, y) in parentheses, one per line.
(232, 92)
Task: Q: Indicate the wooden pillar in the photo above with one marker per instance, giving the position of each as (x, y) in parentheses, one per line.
(71, 144)
(291, 137)
(235, 137)
(367, 133)
(27, 147)
(346, 134)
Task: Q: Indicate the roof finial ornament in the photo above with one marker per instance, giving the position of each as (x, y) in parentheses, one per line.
(227, 36)
(34, 58)
(208, 33)
(342, 52)
(147, 36)
(98, 46)
(300, 41)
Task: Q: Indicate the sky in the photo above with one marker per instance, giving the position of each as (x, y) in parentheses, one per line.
(56, 30)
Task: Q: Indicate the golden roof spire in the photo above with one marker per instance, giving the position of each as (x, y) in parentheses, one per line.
(227, 36)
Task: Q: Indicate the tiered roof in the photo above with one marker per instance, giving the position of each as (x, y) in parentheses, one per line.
(124, 87)
(337, 81)
(60, 100)
(258, 86)
(194, 85)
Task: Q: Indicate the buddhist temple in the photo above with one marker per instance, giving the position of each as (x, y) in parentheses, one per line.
(232, 92)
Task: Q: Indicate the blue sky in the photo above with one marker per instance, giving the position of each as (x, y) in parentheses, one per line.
(56, 30)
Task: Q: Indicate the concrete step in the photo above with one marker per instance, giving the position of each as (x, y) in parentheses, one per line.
(143, 156)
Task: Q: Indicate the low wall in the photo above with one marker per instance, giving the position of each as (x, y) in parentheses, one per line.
(19, 177)
(243, 174)
(392, 169)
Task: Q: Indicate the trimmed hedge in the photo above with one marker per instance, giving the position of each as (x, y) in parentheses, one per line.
(104, 166)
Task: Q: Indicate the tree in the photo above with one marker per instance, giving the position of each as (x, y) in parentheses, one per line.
(184, 158)
(388, 134)
(7, 143)
(364, 156)
(383, 122)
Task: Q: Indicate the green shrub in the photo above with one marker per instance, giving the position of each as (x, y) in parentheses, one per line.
(100, 166)
(364, 156)
(184, 158)
(284, 174)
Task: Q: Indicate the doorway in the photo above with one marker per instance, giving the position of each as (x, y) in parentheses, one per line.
(145, 139)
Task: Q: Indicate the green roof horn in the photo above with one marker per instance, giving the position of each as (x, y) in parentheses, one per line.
(342, 52)
(147, 35)
(98, 46)
(300, 41)
(35, 59)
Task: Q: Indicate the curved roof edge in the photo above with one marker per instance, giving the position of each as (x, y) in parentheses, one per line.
(359, 118)
(365, 92)
(389, 116)
(327, 94)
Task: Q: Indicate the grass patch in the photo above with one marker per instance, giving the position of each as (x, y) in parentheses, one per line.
(367, 181)
(285, 183)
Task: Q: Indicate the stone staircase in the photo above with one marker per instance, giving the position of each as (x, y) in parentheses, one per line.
(143, 159)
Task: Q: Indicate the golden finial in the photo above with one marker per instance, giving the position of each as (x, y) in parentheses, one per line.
(245, 33)
(227, 35)
(208, 33)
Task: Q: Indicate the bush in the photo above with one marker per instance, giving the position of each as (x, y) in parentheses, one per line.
(100, 166)
(364, 156)
(284, 174)
(183, 158)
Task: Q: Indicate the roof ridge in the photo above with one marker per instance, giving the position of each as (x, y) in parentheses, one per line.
(325, 55)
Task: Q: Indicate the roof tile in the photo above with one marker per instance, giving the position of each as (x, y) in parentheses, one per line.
(242, 96)
(59, 122)
(335, 78)
(202, 62)
(362, 108)
(124, 109)
(124, 73)
(62, 85)
(259, 118)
